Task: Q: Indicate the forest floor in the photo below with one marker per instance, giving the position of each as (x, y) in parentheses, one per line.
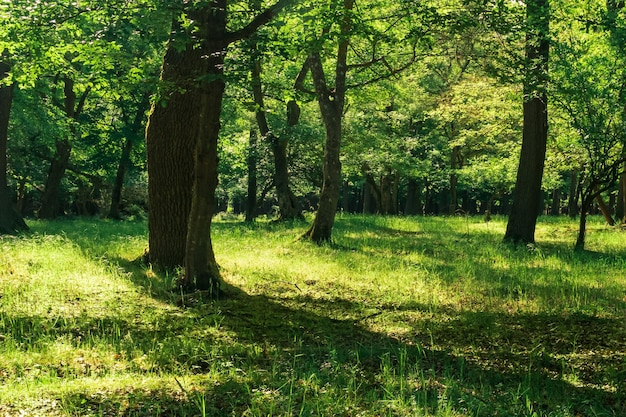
(416, 316)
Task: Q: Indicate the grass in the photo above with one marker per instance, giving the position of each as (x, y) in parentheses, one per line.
(399, 317)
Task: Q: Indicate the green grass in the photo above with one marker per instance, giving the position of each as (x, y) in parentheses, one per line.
(398, 317)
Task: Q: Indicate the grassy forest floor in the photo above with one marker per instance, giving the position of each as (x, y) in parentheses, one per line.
(399, 317)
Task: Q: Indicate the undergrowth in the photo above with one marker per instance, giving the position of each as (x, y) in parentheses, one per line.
(423, 316)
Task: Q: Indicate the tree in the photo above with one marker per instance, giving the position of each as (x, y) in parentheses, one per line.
(10, 220)
(527, 192)
(589, 84)
(182, 138)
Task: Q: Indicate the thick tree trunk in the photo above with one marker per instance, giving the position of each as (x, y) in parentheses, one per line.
(582, 223)
(251, 200)
(171, 136)
(321, 229)
(288, 204)
(201, 269)
(10, 220)
(527, 193)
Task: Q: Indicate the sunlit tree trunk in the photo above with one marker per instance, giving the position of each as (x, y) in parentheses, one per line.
(251, 161)
(331, 103)
(527, 192)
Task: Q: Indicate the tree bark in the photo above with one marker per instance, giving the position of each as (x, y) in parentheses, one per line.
(604, 209)
(527, 193)
(10, 220)
(620, 210)
(412, 206)
(572, 199)
(171, 136)
(251, 200)
(331, 104)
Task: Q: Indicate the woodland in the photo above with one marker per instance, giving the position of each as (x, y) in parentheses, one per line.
(451, 173)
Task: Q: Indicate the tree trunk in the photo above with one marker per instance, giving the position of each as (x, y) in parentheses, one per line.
(555, 208)
(10, 220)
(620, 210)
(454, 180)
(171, 136)
(412, 206)
(527, 193)
(116, 194)
(572, 200)
(288, 205)
(582, 223)
(122, 168)
(604, 209)
(251, 199)
(50, 201)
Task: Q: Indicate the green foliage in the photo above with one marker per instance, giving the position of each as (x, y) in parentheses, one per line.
(401, 316)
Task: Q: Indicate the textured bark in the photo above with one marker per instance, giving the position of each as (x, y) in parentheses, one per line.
(10, 220)
(171, 136)
(201, 269)
(527, 192)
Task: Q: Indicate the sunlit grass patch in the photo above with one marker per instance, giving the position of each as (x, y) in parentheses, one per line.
(430, 316)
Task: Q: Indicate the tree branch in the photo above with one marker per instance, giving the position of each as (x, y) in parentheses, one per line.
(260, 20)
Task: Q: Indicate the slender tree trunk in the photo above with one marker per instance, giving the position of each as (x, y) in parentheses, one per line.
(116, 194)
(454, 180)
(582, 223)
(10, 220)
(527, 193)
(288, 205)
(555, 209)
(125, 158)
(604, 209)
(50, 201)
(620, 210)
(412, 198)
(251, 200)
(572, 201)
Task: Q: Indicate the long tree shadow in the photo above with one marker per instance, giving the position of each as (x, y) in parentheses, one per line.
(484, 363)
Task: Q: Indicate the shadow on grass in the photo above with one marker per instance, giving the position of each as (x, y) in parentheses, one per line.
(303, 354)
